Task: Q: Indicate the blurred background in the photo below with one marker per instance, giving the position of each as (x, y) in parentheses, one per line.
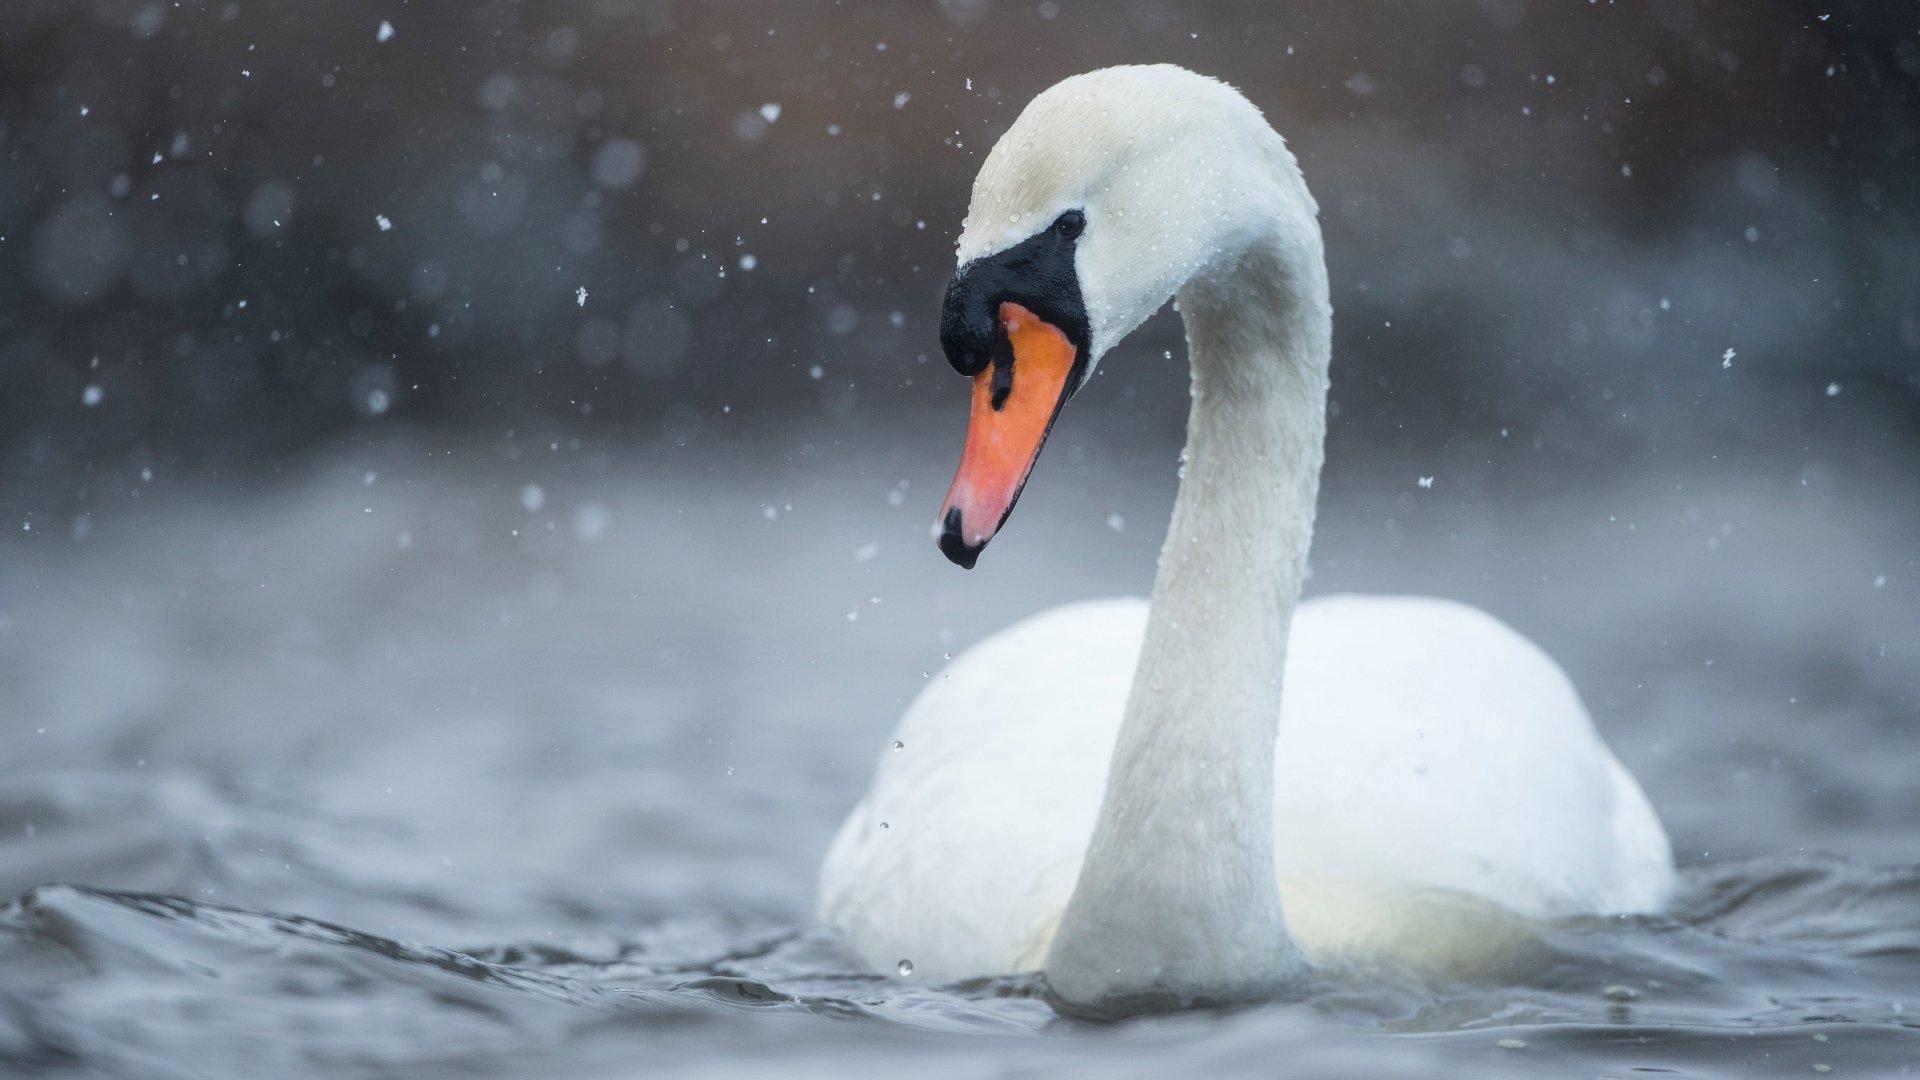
(239, 234)
(464, 467)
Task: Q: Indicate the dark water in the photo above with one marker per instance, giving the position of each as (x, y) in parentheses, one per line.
(400, 767)
(1766, 967)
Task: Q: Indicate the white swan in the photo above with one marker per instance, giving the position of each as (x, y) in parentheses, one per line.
(1112, 791)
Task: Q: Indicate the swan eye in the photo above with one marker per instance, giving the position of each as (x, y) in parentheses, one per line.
(1070, 224)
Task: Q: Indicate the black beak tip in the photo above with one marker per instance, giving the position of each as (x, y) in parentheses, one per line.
(957, 550)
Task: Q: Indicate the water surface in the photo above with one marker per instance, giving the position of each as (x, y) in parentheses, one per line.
(426, 764)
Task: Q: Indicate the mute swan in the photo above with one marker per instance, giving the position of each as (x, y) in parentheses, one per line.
(1111, 792)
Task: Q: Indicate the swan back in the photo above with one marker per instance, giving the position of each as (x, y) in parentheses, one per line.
(1438, 787)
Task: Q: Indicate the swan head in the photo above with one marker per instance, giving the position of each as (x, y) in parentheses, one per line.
(1110, 192)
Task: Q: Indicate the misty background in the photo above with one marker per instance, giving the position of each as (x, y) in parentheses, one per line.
(464, 467)
(263, 230)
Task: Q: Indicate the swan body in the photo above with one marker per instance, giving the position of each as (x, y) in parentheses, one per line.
(1426, 753)
(1113, 792)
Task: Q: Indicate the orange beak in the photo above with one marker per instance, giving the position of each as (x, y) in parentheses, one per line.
(1015, 400)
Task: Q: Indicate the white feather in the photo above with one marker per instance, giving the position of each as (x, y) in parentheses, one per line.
(1423, 745)
(1113, 791)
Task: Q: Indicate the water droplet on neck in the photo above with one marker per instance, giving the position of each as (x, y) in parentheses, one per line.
(898, 745)
(906, 968)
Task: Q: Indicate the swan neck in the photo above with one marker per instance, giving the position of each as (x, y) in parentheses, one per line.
(1178, 894)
